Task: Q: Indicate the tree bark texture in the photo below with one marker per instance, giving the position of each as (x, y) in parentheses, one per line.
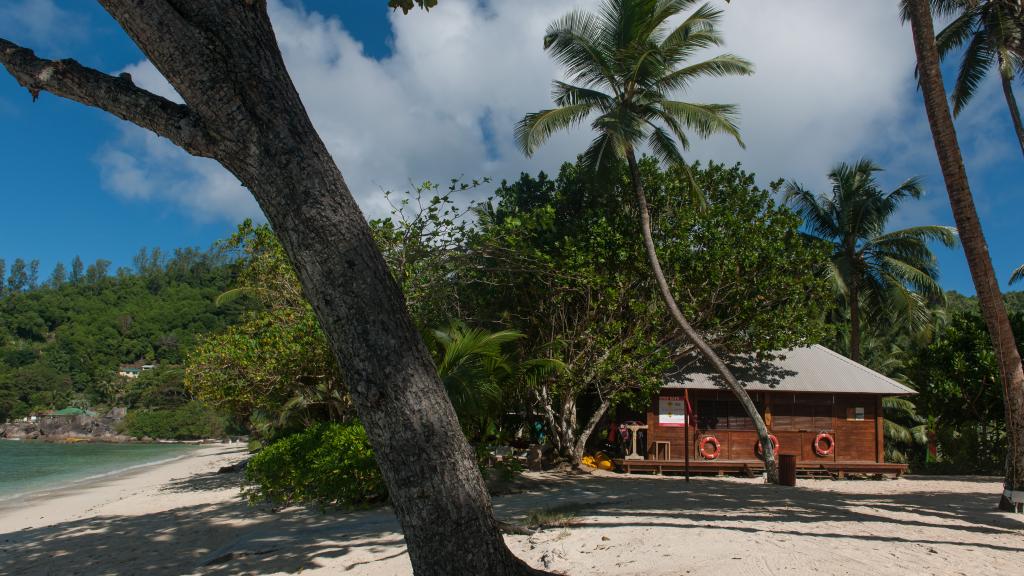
(243, 110)
(993, 309)
(768, 450)
(1011, 103)
(854, 319)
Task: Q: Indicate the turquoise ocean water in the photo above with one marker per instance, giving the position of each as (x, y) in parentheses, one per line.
(30, 466)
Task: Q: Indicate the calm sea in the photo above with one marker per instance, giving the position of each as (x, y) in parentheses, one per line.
(31, 466)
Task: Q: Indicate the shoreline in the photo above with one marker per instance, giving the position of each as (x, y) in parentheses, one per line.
(182, 517)
(77, 498)
(79, 484)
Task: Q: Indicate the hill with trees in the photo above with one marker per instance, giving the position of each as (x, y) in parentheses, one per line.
(63, 339)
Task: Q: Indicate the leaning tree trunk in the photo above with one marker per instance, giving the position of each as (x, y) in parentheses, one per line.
(588, 431)
(243, 111)
(666, 294)
(993, 309)
(1011, 103)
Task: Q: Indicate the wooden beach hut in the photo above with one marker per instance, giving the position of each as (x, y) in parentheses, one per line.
(819, 406)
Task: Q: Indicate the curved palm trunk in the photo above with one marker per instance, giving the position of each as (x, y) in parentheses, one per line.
(1011, 103)
(1011, 373)
(666, 294)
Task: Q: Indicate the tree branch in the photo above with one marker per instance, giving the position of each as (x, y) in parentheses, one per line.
(116, 95)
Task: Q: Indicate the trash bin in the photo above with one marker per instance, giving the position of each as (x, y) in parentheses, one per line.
(787, 469)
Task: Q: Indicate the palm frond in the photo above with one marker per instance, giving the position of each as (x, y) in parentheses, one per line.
(568, 95)
(956, 33)
(717, 66)
(705, 119)
(946, 235)
(535, 129)
(813, 210)
(664, 147)
(570, 41)
(1017, 274)
(978, 58)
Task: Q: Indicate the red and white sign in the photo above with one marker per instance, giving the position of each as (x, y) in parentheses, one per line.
(672, 411)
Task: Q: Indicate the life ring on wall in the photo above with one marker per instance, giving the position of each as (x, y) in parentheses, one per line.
(828, 440)
(710, 454)
(775, 446)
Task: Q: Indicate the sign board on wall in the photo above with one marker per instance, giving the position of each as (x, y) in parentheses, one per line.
(671, 411)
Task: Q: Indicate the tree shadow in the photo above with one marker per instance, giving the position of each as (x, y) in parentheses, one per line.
(965, 517)
(227, 538)
(236, 539)
(205, 482)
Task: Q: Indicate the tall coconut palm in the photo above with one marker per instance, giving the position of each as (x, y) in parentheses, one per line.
(623, 64)
(1011, 372)
(993, 31)
(891, 273)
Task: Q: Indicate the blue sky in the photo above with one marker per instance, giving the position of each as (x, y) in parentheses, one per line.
(433, 96)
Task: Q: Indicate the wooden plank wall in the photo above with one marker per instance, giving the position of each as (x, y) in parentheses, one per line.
(794, 418)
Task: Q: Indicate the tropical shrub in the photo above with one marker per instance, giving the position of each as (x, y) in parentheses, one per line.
(192, 421)
(328, 464)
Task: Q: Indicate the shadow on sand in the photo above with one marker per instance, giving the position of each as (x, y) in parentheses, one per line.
(234, 538)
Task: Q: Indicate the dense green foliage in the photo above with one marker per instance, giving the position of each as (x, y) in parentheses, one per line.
(191, 421)
(957, 380)
(62, 342)
(272, 371)
(329, 464)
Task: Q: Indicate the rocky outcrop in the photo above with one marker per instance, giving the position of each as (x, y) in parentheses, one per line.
(58, 428)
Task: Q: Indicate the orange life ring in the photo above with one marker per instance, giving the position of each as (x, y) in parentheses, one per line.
(775, 446)
(710, 455)
(831, 444)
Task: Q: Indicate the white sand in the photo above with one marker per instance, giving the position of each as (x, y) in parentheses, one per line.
(183, 518)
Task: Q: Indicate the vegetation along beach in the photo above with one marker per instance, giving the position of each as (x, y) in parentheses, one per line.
(470, 287)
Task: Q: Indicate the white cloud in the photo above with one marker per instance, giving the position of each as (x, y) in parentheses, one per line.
(832, 83)
(39, 23)
(141, 165)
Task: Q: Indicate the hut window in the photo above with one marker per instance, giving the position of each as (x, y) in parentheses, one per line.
(724, 415)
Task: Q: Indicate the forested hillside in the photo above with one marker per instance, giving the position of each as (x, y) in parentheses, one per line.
(62, 339)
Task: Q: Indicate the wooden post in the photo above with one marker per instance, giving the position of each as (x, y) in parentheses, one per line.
(686, 433)
(879, 432)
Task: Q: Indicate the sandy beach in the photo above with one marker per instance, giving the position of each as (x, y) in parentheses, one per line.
(182, 517)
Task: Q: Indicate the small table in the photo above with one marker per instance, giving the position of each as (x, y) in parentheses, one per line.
(662, 450)
(633, 428)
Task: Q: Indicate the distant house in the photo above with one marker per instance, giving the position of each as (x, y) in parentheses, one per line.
(133, 370)
(821, 407)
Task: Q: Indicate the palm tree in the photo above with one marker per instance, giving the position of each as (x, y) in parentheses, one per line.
(994, 34)
(1017, 274)
(903, 427)
(623, 63)
(1011, 372)
(479, 372)
(890, 273)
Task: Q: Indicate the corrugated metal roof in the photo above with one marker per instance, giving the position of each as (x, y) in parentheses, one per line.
(811, 369)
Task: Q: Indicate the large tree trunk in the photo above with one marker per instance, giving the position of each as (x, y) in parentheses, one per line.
(1011, 103)
(992, 308)
(242, 110)
(706, 351)
(854, 319)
